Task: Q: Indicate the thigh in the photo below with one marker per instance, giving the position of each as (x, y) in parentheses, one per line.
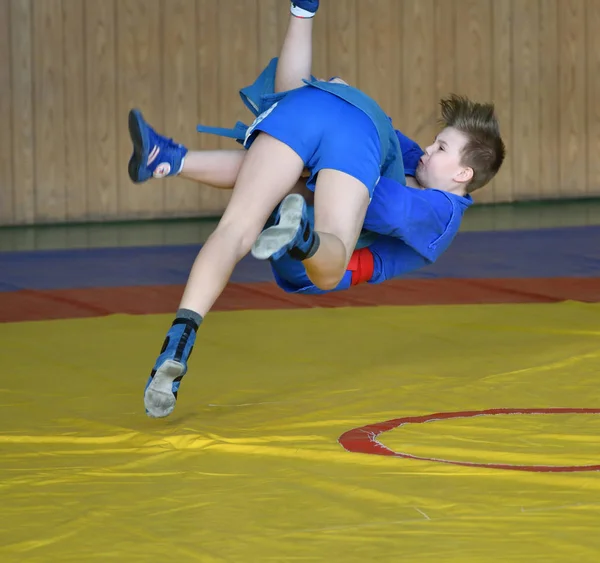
(268, 173)
(341, 203)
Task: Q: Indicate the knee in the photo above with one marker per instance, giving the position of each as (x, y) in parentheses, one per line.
(239, 234)
(328, 282)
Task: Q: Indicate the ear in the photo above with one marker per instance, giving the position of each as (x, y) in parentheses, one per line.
(464, 176)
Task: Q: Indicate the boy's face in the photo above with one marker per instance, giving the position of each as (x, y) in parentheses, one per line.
(440, 167)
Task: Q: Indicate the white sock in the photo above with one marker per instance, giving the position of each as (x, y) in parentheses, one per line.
(300, 13)
(181, 167)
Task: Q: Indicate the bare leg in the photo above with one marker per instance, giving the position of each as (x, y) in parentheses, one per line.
(220, 169)
(338, 229)
(295, 59)
(269, 171)
(216, 168)
(338, 225)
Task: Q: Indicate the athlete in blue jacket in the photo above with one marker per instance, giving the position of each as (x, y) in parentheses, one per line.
(416, 226)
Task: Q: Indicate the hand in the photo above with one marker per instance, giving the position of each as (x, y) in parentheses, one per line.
(334, 80)
(337, 80)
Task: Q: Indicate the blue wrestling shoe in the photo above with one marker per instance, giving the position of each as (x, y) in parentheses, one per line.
(163, 384)
(304, 8)
(154, 156)
(292, 233)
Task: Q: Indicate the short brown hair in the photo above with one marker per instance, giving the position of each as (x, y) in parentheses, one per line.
(485, 150)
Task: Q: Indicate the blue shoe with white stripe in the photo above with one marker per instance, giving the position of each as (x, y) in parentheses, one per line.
(162, 387)
(154, 156)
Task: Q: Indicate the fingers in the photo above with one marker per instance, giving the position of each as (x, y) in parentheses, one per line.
(333, 80)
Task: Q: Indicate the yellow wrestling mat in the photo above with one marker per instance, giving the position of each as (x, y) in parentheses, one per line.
(249, 467)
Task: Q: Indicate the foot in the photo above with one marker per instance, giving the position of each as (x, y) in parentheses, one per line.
(153, 155)
(304, 8)
(292, 233)
(160, 394)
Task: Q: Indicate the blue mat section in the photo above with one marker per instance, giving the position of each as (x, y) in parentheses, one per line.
(564, 252)
(543, 253)
(111, 267)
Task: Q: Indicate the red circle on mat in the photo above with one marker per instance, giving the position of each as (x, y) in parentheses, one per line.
(364, 439)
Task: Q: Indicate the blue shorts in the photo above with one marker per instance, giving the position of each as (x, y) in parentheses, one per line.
(326, 132)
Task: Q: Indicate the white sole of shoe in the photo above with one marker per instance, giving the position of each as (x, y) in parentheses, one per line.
(158, 398)
(274, 238)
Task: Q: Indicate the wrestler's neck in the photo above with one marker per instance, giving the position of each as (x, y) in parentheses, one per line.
(412, 182)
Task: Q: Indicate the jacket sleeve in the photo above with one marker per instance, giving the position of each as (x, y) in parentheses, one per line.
(411, 153)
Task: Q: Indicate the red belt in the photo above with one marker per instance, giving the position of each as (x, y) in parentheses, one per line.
(361, 265)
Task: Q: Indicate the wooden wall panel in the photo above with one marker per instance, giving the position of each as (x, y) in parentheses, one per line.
(322, 43)
(342, 42)
(180, 94)
(140, 84)
(75, 114)
(7, 187)
(526, 92)
(593, 98)
(572, 88)
(207, 46)
(24, 174)
(48, 103)
(419, 97)
(268, 29)
(71, 69)
(444, 45)
(548, 161)
(474, 58)
(237, 59)
(379, 64)
(101, 79)
(503, 54)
